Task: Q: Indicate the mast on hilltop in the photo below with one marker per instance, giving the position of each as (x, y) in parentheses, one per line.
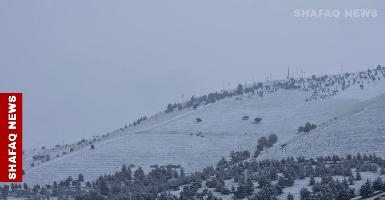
(288, 73)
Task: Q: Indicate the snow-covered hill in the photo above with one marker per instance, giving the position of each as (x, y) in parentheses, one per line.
(349, 112)
(361, 129)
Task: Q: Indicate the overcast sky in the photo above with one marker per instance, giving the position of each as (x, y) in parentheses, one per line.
(90, 66)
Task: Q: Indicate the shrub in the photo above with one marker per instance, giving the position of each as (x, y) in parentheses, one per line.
(273, 139)
(245, 117)
(307, 128)
(257, 119)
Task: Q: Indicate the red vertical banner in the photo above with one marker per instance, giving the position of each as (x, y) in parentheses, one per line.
(11, 137)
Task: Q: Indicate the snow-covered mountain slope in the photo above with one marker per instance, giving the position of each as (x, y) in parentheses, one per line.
(351, 121)
(362, 129)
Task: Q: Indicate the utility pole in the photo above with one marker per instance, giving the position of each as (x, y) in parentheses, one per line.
(288, 73)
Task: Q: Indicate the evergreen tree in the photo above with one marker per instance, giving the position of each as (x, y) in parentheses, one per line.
(232, 189)
(239, 89)
(305, 194)
(264, 142)
(139, 175)
(312, 181)
(244, 189)
(273, 139)
(127, 173)
(259, 147)
(301, 129)
(358, 176)
(307, 127)
(290, 196)
(249, 188)
(351, 180)
(264, 181)
(256, 153)
(104, 189)
(81, 177)
(378, 184)
(366, 190)
(169, 108)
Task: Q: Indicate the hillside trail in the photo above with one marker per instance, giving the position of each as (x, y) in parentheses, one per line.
(169, 120)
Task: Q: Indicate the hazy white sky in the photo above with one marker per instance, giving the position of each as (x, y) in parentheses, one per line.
(87, 67)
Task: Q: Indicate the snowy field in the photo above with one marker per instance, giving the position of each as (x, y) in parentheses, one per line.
(360, 130)
(350, 122)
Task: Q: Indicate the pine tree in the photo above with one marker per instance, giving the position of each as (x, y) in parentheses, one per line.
(127, 173)
(104, 189)
(358, 176)
(139, 175)
(81, 177)
(290, 196)
(378, 184)
(307, 127)
(239, 89)
(232, 189)
(249, 188)
(351, 180)
(305, 194)
(312, 181)
(264, 181)
(264, 142)
(301, 129)
(273, 139)
(256, 153)
(169, 108)
(366, 190)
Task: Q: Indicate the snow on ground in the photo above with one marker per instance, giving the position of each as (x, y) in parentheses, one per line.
(144, 149)
(295, 189)
(360, 130)
(370, 90)
(299, 184)
(353, 121)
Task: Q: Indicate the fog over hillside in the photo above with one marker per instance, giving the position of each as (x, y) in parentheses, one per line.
(346, 109)
(195, 100)
(87, 67)
(298, 136)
